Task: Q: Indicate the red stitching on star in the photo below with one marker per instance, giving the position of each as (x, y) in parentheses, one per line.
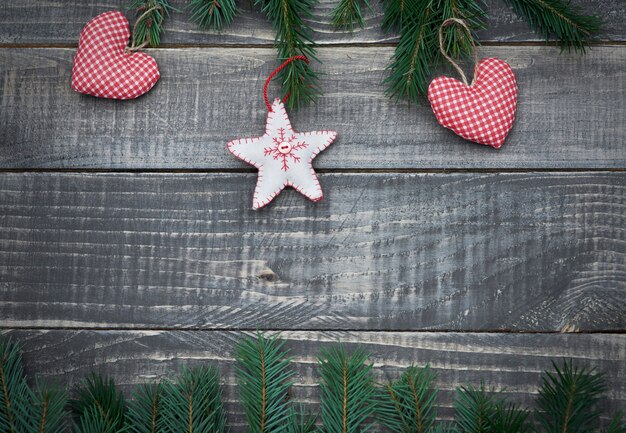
(283, 148)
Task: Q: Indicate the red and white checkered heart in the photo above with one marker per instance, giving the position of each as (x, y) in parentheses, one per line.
(102, 68)
(483, 112)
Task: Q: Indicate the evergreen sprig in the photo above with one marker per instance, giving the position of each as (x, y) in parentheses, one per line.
(213, 14)
(149, 27)
(347, 390)
(348, 14)
(194, 403)
(99, 407)
(568, 398)
(409, 404)
(23, 410)
(418, 22)
(264, 379)
(479, 410)
(570, 26)
(145, 409)
(293, 38)
(14, 392)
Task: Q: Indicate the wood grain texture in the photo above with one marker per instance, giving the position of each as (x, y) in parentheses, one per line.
(48, 22)
(511, 361)
(529, 252)
(571, 113)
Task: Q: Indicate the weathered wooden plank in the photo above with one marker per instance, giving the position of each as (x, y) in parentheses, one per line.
(60, 21)
(382, 251)
(571, 113)
(511, 361)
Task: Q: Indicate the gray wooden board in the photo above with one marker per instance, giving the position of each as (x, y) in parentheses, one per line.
(571, 113)
(520, 251)
(60, 21)
(511, 361)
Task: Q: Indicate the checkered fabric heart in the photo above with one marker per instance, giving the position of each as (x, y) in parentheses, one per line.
(102, 68)
(482, 112)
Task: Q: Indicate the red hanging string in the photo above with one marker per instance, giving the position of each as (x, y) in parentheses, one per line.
(276, 71)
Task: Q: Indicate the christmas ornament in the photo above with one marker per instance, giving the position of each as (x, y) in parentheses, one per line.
(105, 67)
(483, 111)
(282, 156)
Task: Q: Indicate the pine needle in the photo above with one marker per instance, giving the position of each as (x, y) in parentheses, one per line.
(347, 14)
(293, 38)
(145, 409)
(99, 407)
(15, 395)
(616, 425)
(409, 403)
(150, 27)
(213, 14)
(48, 410)
(347, 391)
(194, 403)
(416, 52)
(568, 399)
(566, 22)
(264, 380)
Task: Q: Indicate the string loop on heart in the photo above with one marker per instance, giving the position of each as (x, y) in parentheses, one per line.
(449, 22)
(273, 74)
(133, 46)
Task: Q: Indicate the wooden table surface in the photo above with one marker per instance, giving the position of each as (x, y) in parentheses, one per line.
(127, 243)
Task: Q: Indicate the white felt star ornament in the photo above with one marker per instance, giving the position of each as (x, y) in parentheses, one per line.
(284, 157)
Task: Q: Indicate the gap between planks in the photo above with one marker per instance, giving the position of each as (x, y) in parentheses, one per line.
(270, 330)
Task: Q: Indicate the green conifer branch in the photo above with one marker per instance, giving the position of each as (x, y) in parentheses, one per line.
(293, 38)
(194, 403)
(568, 398)
(145, 409)
(408, 405)
(348, 14)
(347, 390)
(99, 407)
(213, 14)
(264, 380)
(149, 28)
(48, 412)
(571, 27)
(15, 395)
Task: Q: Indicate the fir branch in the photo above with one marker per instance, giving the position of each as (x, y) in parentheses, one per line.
(475, 409)
(293, 38)
(15, 395)
(264, 380)
(509, 418)
(567, 399)
(416, 52)
(149, 28)
(194, 403)
(48, 410)
(394, 14)
(145, 409)
(571, 27)
(408, 404)
(301, 422)
(473, 13)
(213, 14)
(347, 390)
(347, 14)
(99, 407)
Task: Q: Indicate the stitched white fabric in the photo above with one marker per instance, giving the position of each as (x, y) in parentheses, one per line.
(283, 157)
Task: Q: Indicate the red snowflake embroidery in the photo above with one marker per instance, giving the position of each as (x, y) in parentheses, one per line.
(285, 148)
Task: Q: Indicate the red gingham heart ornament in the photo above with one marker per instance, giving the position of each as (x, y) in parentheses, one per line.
(482, 112)
(104, 68)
